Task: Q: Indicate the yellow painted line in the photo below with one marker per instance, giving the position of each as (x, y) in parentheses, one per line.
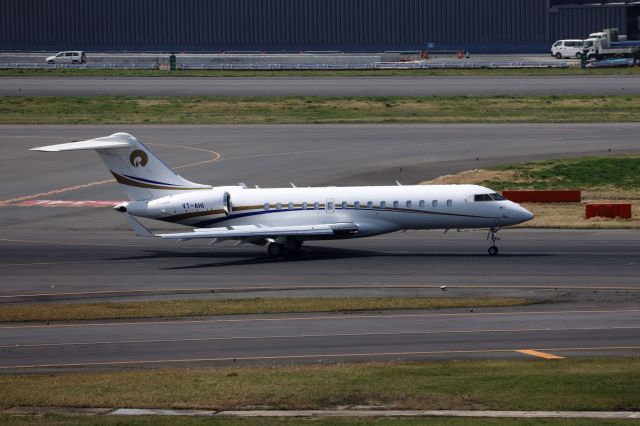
(322, 335)
(314, 318)
(539, 354)
(304, 356)
(216, 156)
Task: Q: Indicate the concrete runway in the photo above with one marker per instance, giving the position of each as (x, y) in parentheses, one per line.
(318, 86)
(88, 253)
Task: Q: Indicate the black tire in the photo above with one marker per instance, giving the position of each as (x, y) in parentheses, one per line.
(591, 56)
(50, 62)
(293, 247)
(558, 55)
(276, 250)
(493, 250)
(578, 55)
(74, 62)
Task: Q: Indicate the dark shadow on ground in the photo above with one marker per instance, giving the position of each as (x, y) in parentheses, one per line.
(308, 253)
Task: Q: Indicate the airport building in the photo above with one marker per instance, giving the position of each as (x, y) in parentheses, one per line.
(480, 26)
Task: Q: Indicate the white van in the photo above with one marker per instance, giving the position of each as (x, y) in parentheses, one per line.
(567, 49)
(68, 57)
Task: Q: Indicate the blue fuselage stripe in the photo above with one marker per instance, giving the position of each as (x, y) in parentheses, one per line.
(208, 222)
(149, 180)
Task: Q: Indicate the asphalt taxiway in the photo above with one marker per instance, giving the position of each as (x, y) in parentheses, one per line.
(485, 333)
(52, 251)
(321, 86)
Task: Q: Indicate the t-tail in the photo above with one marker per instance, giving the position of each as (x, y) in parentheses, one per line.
(143, 176)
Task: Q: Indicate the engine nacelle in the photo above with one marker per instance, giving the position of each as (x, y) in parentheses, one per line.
(214, 201)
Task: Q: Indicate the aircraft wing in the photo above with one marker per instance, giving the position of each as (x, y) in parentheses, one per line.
(248, 231)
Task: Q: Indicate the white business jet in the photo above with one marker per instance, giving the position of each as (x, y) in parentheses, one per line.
(283, 218)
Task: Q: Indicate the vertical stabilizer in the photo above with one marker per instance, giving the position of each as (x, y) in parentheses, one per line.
(142, 175)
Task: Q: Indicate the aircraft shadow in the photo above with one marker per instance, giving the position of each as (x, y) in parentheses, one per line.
(308, 253)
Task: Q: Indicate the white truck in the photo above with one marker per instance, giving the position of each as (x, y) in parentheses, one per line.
(609, 43)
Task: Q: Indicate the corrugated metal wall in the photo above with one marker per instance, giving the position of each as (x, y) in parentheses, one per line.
(284, 24)
(579, 22)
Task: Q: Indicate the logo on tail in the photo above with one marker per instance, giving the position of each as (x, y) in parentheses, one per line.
(138, 158)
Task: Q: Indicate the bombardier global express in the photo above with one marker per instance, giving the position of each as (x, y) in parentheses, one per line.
(283, 218)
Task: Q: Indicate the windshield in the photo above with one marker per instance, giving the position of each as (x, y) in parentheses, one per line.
(588, 44)
(488, 197)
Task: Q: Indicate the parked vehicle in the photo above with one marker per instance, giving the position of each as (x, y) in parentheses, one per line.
(68, 57)
(567, 49)
(610, 44)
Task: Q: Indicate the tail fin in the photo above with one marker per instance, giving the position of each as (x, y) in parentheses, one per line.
(142, 175)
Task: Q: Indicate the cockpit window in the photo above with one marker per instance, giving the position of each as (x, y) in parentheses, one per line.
(488, 197)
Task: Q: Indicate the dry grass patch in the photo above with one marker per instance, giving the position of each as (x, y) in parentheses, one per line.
(475, 176)
(147, 103)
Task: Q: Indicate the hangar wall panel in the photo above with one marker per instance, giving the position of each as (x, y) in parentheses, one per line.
(215, 25)
(579, 22)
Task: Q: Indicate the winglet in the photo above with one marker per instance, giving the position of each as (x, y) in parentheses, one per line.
(138, 228)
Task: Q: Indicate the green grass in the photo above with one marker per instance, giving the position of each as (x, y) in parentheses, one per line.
(608, 384)
(581, 173)
(56, 420)
(310, 109)
(183, 308)
(323, 73)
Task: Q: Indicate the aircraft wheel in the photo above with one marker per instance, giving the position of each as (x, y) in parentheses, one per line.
(275, 250)
(293, 247)
(493, 250)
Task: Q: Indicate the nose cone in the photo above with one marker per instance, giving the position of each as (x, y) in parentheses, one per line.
(523, 215)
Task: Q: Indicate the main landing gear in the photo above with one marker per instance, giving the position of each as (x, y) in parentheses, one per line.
(286, 248)
(493, 250)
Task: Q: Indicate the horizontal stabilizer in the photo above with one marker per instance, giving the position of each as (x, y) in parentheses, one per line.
(99, 143)
(264, 231)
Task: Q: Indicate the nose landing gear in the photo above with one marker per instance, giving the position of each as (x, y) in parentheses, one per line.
(493, 250)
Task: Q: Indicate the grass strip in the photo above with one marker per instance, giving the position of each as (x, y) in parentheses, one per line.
(56, 420)
(608, 384)
(620, 172)
(199, 307)
(313, 109)
(497, 72)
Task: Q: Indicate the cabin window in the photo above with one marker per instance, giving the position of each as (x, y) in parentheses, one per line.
(434, 203)
(279, 206)
(421, 204)
(356, 204)
(383, 204)
(304, 205)
(290, 206)
(449, 203)
(408, 204)
(266, 206)
(396, 204)
(344, 205)
(316, 205)
(370, 204)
